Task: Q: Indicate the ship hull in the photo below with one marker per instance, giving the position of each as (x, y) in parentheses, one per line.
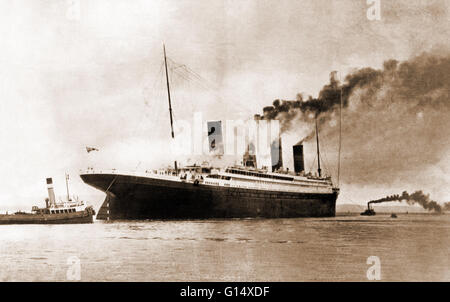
(63, 218)
(133, 197)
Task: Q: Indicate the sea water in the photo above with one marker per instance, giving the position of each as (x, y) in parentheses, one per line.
(412, 247)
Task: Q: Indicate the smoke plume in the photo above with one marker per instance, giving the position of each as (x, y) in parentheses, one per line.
(446, 206)
(422, 81)
(329, 100)
(416, 197)
(395, 125)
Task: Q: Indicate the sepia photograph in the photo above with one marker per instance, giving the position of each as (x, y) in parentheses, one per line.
(224, 141)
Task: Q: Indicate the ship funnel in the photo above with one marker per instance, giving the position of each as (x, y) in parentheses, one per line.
(51, 193)
(299, 161)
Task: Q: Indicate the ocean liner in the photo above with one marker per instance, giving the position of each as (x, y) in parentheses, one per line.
(202, 191)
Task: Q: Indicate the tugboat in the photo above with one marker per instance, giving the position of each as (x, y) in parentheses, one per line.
(71, 211)
(369, 211)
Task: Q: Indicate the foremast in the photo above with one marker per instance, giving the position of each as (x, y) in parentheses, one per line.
(170, 102)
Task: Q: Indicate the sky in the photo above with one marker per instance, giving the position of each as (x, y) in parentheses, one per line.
(88, 73)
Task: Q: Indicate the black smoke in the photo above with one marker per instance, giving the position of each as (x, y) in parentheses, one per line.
(446, 206)
(329, 99)
(424, 79)
(416, 197)
(395, 123)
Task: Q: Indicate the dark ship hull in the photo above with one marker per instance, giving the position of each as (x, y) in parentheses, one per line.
(135, 197)
(368, 213)
(63, 218)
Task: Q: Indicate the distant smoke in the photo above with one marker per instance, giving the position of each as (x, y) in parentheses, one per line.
(446, 206)
(417, 197)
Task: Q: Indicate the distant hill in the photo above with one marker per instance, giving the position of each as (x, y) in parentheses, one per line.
(352, 208)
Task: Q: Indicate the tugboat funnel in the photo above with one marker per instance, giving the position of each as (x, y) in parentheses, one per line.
(51, 193)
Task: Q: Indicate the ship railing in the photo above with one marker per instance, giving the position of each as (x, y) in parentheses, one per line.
(160, 173)
(264, 185)
(68, 204)
(305, 182)
(154, 173)
(278, 187)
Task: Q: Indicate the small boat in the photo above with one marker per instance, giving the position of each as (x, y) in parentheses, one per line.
(71, 211)
(393, 215)
(369, 211)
